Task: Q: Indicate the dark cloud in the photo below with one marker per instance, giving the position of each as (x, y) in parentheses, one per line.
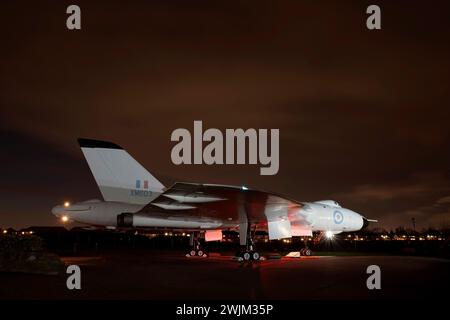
(362, 114)
(421, 196)
(35, 176)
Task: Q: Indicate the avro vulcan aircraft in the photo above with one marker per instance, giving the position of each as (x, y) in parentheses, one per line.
(134, 198)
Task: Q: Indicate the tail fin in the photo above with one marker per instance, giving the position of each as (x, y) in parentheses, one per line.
(119, 176)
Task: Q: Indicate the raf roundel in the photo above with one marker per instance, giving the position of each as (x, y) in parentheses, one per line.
(338, 217)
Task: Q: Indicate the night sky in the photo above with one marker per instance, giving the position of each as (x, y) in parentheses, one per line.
(363, 115)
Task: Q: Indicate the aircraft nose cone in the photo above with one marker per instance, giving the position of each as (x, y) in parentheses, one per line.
(365, 223)
(360, 222)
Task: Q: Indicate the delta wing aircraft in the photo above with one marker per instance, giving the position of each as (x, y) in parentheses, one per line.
(134, 198)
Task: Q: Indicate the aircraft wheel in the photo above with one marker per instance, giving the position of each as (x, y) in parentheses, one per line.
(247, 256)
(302, 252)
(192, 253)
(307, 252)
(256, 256)
(200, 253)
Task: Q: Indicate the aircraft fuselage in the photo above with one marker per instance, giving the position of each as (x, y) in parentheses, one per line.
(316, 216)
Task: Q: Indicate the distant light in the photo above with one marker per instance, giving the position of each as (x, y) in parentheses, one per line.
(166, 234)
(244, 188)
(31, 232)
(5, 231)
(329, 234)
(184, 234)
(23, 232)
(66, 204)
(64, 218)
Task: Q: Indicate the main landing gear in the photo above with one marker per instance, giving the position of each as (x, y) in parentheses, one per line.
(196, 250)
(249, 253)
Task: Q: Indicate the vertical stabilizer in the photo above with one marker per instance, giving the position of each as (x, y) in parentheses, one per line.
(118, 175)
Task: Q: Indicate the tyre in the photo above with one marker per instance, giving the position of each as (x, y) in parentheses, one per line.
(256, 256)
(247, 256)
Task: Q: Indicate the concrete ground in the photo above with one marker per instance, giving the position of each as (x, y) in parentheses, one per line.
(170, 275)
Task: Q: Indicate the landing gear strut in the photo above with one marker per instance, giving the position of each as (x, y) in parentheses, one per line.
(249, 253)
(196, 247)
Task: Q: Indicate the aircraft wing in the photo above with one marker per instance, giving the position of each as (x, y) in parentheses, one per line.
(229, 206)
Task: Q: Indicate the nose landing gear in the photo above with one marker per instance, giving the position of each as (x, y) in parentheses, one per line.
(306, 251)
